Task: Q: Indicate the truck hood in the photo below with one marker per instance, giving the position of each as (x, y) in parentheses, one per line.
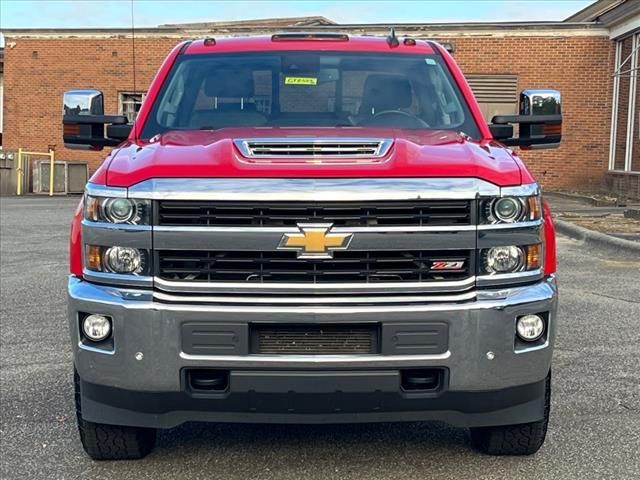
(212, 154)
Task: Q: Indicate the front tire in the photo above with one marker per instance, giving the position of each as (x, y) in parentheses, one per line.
(112, 442)
(521, 439)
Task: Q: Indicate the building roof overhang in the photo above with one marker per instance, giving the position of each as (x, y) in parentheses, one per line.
(620, 17)
(593, 11)
(432, 30)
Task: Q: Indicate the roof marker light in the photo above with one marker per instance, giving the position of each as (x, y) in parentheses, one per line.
(209, 42)
(296, 36)
(409, 42)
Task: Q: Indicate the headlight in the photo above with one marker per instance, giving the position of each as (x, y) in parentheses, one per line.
(511, 259)
(122, 260)
(511, 209)
(507, 209)
(504, 259)
(117, 210)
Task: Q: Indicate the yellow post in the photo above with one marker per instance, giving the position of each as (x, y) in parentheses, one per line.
(51, 170)
(19, 173)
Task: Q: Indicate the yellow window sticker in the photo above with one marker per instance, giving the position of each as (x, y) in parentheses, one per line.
(300, 81)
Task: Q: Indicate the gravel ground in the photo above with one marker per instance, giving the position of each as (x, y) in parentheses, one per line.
(594, 431)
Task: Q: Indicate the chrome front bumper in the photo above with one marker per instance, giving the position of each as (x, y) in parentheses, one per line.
(148, 357)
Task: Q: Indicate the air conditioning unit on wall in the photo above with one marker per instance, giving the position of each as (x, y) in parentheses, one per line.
(68, 177)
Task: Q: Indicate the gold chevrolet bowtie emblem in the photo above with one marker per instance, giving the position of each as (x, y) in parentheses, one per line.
(315, 240)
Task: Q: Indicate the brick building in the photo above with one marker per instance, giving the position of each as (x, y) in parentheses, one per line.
(592, 58)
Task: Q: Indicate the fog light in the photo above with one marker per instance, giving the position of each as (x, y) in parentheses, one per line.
(530, 327)
(96, 327)
(504, 259)
(123, 260)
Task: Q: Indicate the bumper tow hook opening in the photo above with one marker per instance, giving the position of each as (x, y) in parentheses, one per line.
(421, 380)
(208, 380)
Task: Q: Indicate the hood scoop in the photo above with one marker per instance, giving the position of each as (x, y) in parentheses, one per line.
(314, 150)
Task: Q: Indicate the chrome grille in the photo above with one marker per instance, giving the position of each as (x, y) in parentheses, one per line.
(313, 147)
(259, 267)
(223, 244)
(340, 214)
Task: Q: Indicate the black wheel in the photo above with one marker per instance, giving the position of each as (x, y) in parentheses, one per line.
(522, 439)
(112, 442)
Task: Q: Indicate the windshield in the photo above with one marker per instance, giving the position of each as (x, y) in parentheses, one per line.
(309, 89)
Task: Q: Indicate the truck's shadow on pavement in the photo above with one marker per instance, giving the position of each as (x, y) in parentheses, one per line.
(284, 438)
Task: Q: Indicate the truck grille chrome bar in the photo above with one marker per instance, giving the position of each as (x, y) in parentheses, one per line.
(399, 288)
(311, 189)
(305, 300)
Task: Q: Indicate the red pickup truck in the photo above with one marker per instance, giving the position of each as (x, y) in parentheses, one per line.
(311, 228)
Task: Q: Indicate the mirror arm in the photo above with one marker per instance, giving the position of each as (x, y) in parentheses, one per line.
(527, 119)
(93, 142)
(119, 132)
(94, 119)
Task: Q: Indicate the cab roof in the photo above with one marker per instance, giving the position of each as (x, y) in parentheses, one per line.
(315, 41)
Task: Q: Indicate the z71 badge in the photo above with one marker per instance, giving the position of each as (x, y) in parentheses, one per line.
(447, 265)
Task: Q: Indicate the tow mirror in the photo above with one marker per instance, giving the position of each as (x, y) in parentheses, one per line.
(84, 121)
(540, 121)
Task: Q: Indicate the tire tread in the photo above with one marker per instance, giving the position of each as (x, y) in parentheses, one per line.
(112, 442)
(521, 439)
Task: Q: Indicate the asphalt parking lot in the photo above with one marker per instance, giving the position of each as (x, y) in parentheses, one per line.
(595, 419)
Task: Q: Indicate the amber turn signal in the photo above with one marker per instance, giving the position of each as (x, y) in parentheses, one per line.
(535, 208)
(91, 208)
(93, 258)
(534, 256)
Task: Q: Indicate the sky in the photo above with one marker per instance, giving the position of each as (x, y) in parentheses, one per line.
(150, 13)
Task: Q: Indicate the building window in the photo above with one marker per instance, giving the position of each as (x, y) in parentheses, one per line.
(496, 94)
(129, 104)
(624, 152)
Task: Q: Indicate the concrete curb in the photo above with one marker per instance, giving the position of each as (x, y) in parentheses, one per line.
(593, 201)
(595, 238)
